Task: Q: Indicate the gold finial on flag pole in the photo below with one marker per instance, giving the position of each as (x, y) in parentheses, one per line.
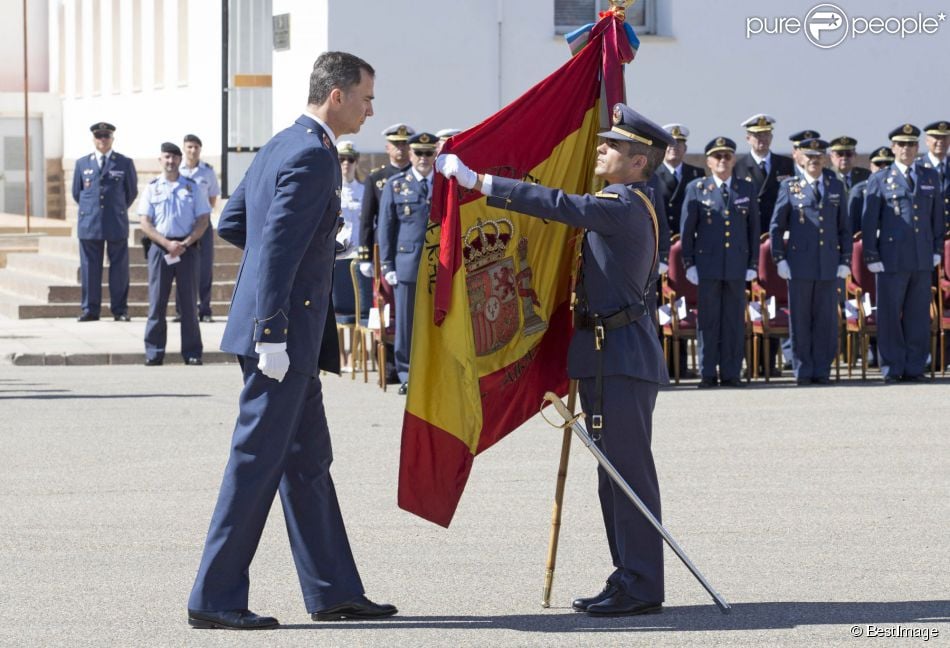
(619, 7)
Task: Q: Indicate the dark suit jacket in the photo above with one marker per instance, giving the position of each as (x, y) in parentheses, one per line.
(369, 212)
(766, 186)
(670, 193)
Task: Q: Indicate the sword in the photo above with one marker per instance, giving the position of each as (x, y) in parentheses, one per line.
(573, 421)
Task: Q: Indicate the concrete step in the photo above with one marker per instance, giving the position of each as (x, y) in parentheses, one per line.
(20, 307)
(69, 247)
(61, 268)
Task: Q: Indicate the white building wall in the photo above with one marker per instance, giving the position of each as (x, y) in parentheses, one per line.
(309, 36)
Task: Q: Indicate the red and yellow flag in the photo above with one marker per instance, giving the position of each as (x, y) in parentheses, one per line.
(492, 322)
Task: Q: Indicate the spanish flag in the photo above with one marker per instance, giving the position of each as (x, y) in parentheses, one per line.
(492, 322)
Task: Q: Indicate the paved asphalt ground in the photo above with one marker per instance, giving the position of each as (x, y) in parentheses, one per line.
(817, 513)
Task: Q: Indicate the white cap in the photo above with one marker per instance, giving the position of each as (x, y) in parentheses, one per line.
(758, 123)
(678, 131)
(446, 133)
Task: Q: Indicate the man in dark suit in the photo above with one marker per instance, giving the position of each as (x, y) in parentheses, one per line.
(761, 167)
(615, 354)
(285, 214)
(671, 178)
(105, 186)
(938, 139)
(842, 162)
(881, 158)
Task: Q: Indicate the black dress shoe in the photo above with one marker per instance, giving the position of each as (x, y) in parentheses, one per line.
(622, 604)
(122, 317)
(581, 604)
(803, 382)
(194, 362)
(153, 362)
(733, 382)
(230, 620)
(176, 318)
(207, 319)
(87, 317)
(358, 608)
(403, 389)
(688, 374)
(891, 380)
(913, 379)
(824, 380)
(706, 383)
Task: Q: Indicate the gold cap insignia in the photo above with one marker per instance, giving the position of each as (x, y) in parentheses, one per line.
(402, 131)
(618, 115)
(907, 129)
(720, 141)
(424, 138)
(677, 132)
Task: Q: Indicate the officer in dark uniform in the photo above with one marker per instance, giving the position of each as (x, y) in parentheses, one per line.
(880, 159)
(720, 235)
(105, 186)
(938, 137)
(397, 148)
(615, 354)
(813, 211)
(842, 162)
(798, 157)
(761, 167)
(903, 206)
(174, 214)
(403, 217)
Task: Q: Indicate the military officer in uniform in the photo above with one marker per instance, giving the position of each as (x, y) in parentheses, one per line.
(842, 162)
(672, 177)
(720, 235)
(798, 157)
(938, 137)
(201, 172)
(444, 136)
(812, 210)
(403, 217)
(174, 213)
(615, 354)
(761, 166)
(397, 148)
(880, 159)
(903, 229)
(105, 186)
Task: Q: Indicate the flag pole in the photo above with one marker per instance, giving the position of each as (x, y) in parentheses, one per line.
(558, 501)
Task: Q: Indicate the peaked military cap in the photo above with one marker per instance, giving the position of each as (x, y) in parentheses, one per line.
(423, 142)
(760, 123)
(813, 146)
(904, 133)
(629, 125)
(720, 144)
(102, 127)
(883, 155)
(346, 147)
(399, 133)
(169, 147)
(843, 143)
(191, 137)
(678, 131)
(797, 138)
(446, 133)
(940, 128)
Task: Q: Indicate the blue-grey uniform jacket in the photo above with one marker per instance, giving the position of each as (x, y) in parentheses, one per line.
(401, 230)
(104, 196)
(721, 240)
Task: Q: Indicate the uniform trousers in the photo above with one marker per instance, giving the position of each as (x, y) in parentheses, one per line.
(903, 322)
(813, 326)
(721, 327)
(405, 307)
(281, 444)
(90, 269)
(205, 275)
(636, 548)
(160, 277)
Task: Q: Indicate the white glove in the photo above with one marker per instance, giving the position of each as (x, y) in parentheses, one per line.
(784, 271)
(390, 278)
(692, 275)
(273, 360)
(843, 271)
(662, 268)
(366, 269)
(936, 260)
(451, 166)
(751, 275)
(876, 267)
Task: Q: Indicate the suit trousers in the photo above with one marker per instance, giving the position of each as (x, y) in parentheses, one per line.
(721, 327)
(205, 274)
(405, 307)
(813, 326)
(903, 322)
(90, 270)
(160, 276)
(281, 444)
(636, 548)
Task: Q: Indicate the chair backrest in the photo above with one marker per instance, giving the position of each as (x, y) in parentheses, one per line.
(362, 290)
(774, 285)
(946, 258)
(676, 277)
(860, 274)
(344, 298)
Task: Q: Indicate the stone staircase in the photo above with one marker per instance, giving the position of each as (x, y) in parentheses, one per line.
(46, 283)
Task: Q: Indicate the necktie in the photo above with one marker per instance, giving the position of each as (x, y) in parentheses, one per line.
(424, 187)
(724, 188)
(847, 182)
(102, 162)
(765, 169)
(910, 179)
(817, 189)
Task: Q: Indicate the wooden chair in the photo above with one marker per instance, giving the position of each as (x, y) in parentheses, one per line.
(384, 334)
(943, 307)
(344, 308)
(859, 327)
(361, 331)
(768, 285)
(675, 286)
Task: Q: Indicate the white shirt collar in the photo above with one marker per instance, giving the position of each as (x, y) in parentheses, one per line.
(902, 167)
(767, 159)
(323, 125)
(810, 180)
(934, 161)
(674, 170)
(719, 182)
(418, 175)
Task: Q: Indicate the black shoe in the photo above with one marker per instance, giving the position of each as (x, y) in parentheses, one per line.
(824, 380)
(622, 604)
(913, 379)
(207, 319)
(123, 317)
(358, 608)
(393, 379)
(581, 604)
(803, 382)
(688, 374)
(733, 382)
(403, 389)
(706, 383)
(153, 362)
(194, 362)
(891, 380)
(87, 317)
(176, 318)
(230, 620)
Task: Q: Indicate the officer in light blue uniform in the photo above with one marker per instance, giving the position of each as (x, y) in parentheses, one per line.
(903, 229)
(201, 172)
(720, 235)
(812, 210)
(105, 186)
(174, 213)
(403, 218)
(614, 354)
(881, 158)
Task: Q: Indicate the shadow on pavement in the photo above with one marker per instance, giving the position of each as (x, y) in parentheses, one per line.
(34, 396)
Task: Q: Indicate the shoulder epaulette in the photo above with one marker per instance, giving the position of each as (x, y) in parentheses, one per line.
(378, 169)
(607, 194)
